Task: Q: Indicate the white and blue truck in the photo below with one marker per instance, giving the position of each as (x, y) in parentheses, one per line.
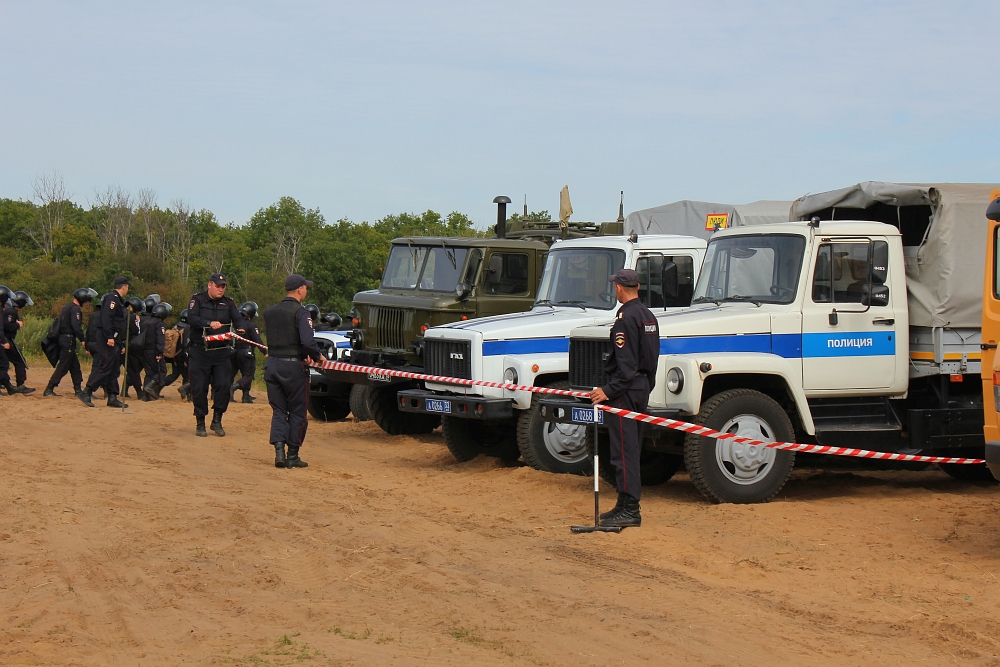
(856, 324)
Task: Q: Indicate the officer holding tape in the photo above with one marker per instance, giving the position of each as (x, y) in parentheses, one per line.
(631, 370)
(289, 341)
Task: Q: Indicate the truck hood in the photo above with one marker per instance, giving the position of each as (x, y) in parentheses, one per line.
(409, 300)
(728, 319)
(542, 322)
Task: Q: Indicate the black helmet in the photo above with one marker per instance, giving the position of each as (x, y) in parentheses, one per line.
(5, 293)
(183, 317)
(161, 310)
(313, 311)
(249, 310)
(100, 302)
(21, 299)
(151, 301)
(84, 294)
(333, 319)
(135, 304)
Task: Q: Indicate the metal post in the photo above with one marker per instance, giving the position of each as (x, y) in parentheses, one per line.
(597, 527)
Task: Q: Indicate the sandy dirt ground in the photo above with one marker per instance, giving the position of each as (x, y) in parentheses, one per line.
(126, 540)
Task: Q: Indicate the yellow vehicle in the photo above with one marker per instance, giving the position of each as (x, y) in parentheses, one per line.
(991, 336)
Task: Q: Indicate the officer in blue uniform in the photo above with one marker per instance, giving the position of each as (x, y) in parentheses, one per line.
(289, 341)
(111, 332)
(631, 370)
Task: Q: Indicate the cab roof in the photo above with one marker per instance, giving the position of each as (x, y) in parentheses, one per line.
(644, 242)
(468, 242)
(826, 227)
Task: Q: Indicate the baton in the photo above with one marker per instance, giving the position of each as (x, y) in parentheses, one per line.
(14, 347)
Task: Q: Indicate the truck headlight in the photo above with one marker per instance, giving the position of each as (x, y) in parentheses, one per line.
(675, 380)
(510, 376)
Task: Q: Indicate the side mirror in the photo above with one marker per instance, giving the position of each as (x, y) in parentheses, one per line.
(462, 291)
(878, 296)
(669, 281)
(494, 269)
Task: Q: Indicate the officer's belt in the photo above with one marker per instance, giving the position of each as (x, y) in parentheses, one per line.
(295, 359)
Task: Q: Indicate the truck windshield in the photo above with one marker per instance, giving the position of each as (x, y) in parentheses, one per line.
(759, 268)
(434, 268)
(579, 277)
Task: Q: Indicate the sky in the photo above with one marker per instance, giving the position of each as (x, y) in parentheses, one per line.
(364, 109)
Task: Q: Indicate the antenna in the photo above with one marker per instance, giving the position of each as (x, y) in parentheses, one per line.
(525, 215)
(621, 208)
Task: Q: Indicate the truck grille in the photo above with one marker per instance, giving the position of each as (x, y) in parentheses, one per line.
(586, 362)
(387, 325)
(450, 358)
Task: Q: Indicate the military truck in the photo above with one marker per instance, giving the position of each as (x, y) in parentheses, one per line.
(429, 281)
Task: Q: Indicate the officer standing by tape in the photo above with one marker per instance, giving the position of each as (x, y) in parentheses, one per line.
(114, 325)
(246, 354)
(631, 370)
(70, 330)
(289, 342)
(211, 312)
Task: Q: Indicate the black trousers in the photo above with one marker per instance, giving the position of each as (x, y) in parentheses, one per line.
(20, 370)
(209, 367)
(626, 441)
(288, 393)
(178, 369)
(246, 364)
(155, 369)
(4, 368)
(68, 363)
(133, 371)
(106, 370)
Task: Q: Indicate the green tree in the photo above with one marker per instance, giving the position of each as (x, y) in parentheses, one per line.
(75, 245)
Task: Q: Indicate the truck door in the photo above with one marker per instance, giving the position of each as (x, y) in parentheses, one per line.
(991, 331)
(849, 323)
(650, 266)
(508, 283)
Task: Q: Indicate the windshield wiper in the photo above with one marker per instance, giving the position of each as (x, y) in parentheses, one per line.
(451, 254)
(578, 304)
(740, 297)
(705, 299)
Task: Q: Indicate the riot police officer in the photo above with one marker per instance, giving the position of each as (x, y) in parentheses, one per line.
(114, 326)
(289, 342)
(246, 357)
(152, 357)
(70, 330)
(631, 371)
(179, 362)
(11, 325)
(211, 312)
(135, 346)
(5, 346)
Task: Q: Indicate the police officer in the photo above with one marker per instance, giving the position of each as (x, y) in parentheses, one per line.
(631, 370)
(135, 346)
(246, 358)
(11, 325)
(5, 346)
(70, 330)
(211, 312)
(179, 362)
(152, 357)
(93, 344)
(114, 326)
(290, 341)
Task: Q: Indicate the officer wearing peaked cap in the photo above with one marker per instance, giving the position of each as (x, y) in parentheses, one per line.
(211, 313)
(631, 371)
(113, 326)
(289, 340)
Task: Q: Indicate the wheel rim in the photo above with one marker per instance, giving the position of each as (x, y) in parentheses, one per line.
(566, 443)
(742, 463)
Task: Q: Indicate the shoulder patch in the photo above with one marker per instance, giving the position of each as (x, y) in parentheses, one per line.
(620, 339)
(191, 305)
(78, 316)
(649, 326)
(112, 305)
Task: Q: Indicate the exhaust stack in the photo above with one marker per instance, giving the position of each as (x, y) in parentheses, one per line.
(501, 203)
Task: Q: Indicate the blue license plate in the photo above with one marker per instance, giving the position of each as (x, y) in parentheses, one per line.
(586, 416)
(435, 405)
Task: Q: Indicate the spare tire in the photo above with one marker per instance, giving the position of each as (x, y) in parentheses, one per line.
(468, 438)
(386, 413)
(361, 402)
(327, 409)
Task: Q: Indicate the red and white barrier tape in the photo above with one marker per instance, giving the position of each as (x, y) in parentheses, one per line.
(674, 424)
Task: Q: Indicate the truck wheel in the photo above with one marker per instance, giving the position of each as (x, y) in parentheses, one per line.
(328, 409)
(385, 413)
(361, 402)
(727, 472)
(468, 438)
(968, 473)
(551, 447)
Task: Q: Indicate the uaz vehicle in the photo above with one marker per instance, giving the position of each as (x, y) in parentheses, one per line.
(848, 333)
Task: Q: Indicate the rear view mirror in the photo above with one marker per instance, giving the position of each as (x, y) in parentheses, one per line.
(669, 281)
(877, 296)
(880, 262)
(494, 269)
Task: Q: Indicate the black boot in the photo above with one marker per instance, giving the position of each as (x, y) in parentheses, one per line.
(626, 516)
(84, 396)
(618, 506)
(279, 455)
(199, 429)
(125, 395)
(247, 398)
(232, 392)
(217, 424)
(21, 389)
(50, 391)
(151, 390)
(77, 389)
(293, 460)
(10, 389)
(113, 402)
(184, 390)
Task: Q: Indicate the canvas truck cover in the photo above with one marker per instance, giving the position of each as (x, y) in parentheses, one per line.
(944, 261)
(699, 218)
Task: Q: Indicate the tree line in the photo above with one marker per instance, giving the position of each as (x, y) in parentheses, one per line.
(51, 245)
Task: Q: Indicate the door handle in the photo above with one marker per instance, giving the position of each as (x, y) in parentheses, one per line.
(988, 346)
(887, 321)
